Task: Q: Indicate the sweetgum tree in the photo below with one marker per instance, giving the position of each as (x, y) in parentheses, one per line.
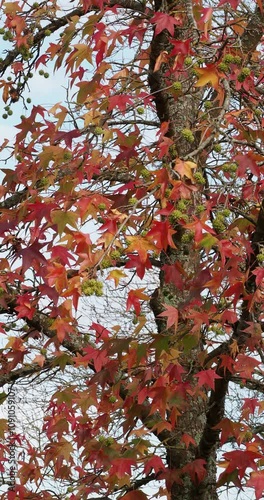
(150, 168)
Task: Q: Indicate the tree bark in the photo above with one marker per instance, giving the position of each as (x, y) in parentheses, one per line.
(181, 113)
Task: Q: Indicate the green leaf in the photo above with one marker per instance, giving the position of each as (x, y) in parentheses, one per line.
(63, 219)
(208, 241)
(3, 397)
(189, 342)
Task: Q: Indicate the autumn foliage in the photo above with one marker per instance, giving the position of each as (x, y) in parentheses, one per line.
(142, 185)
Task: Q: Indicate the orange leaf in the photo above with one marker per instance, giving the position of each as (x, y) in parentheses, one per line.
(61, 327)
(39, 359)
(260, 4)
(134, 296)
(207, 75)
(162, 58)
(141, 246)
(185, 168)
(5, 92)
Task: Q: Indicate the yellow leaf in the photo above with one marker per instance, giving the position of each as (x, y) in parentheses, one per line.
(234, 348)
(50, 153)
(63, 219)
(116, 275)
(239, 26)
(81, 52)
(11, 8)
(141, 323)
(61, 114)
(92, 117)
(207, 75)
(3, 427)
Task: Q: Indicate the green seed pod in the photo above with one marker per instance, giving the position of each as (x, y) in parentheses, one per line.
(132, 201)
(176, 215)
(177, 86)
(217, 148)
(98, 131)
(223, 67)
(187, 134)
(208, 105)
(228, 58)
(199, 178)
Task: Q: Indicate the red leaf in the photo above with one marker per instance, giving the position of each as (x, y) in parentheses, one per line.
(31, 256)
(187, 439)
(164, 22)
(259, 273)
(134, 495)
(246, 365)
(154, 463)
(121, 466)
(172, 314)
(181, 47)
(237, 290)
(119, 101)
(136, 262)
(241, 460)
(229, 316)
(196, 470)
(25, 306)
(256, 481)
(172, 274)
(99, 357)
(245, 162)
(67, 137)
(42, 60)
(207, 377)
(227, 362)
(101, 332)
(61, 254)
(249, 407)
(229, 429)
(161, 234)
(234, 3)
(62, 327)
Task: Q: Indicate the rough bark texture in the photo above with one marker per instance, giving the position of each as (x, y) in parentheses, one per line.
(181, 113)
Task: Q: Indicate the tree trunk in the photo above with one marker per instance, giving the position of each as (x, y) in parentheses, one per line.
(181, 112)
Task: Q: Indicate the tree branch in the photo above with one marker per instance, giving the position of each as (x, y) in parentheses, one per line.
(25, 371)
(253, 385)
(58, 23)
(217, 398)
